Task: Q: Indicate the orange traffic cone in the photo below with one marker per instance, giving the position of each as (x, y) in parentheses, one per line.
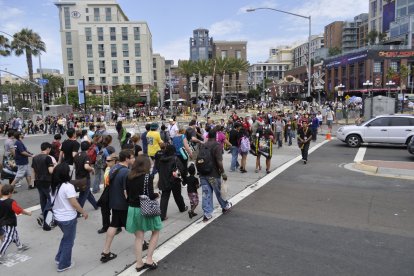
(328, 136)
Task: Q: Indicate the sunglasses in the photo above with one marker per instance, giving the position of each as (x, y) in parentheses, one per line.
(109, 160)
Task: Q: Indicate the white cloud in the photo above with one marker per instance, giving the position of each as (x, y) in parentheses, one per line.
(8, 13)
(333, 10)
(225, 27)
(176, 49)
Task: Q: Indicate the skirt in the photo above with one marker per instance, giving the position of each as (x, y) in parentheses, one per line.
(137, 222)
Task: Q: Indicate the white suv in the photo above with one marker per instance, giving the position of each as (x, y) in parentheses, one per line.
(388, 129)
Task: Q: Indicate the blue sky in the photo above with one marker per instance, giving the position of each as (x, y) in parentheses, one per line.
(172, 22)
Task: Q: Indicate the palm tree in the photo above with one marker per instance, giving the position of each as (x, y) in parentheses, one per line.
(30, 43)
(240, 66)
(222, 66)
(4, 46)
(186, 69)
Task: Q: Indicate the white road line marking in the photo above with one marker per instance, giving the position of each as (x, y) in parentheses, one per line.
(174, 242)
(359, 157)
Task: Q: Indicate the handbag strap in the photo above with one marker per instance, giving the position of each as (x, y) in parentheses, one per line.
(146, 184)
(56, 195)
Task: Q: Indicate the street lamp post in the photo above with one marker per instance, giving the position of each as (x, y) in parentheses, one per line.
(389, 84)
(309, 38)
(368, 84)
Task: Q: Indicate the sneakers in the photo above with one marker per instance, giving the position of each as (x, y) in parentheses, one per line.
(17, 185)
(23, 248)
(102, 230)
(66, 268)
(228, 208)
(191, 214)
(205, 219)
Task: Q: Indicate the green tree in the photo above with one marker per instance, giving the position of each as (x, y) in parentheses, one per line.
(202, 68)
(253, 94)
(73, 99)
(55, 85)
(186, 68)
(125, 96)
(372, 37)
(154, 97)
(334, 51)
(240, 66)
(5, 46)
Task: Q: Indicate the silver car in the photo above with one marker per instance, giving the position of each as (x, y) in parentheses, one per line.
(384, 129)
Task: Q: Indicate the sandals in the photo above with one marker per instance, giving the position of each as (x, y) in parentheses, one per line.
(138, 269)
(107, 257)
(152, 266)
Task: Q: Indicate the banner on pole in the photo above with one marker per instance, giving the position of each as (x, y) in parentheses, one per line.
(5, 99)
(81, 92)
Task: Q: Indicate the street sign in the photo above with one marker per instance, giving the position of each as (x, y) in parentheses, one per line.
(43, 81)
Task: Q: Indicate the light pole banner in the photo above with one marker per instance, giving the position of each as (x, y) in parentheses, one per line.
(81, 92)
(5, 99)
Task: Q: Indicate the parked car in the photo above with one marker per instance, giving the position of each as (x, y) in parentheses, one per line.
(384, 129)
(410, 146)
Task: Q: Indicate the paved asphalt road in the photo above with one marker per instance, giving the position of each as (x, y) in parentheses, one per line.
(315, 219)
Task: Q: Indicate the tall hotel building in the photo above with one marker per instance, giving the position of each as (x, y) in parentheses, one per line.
(100, 44)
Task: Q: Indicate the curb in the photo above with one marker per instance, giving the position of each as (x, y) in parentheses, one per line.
(384, 171)
(366, 168)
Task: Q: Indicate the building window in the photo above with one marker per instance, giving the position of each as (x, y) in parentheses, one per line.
(154, 72)
(126, 66)
(115, 66)
(89, 52)
(377, 67)
(137, 49)
(238, 54)
(101, 50)
(103, 80)
(102, 67)
(86, 10)
(91, 80)
(69, 55)
(100, 34)
(124, 33)
(108, 14)
(71, 73)
(71, 82)
(154, 63)
(68, 36)
(96, 15)
(88, 34)
(87, 18)
(90, 67)
(114, 80)
(125, 51)
(136, 33)
(394, 66)
(127, 79)
(66, 13)
(113, 50)
(223, 53)
(138, 79)
(112, 33)
(138, 68)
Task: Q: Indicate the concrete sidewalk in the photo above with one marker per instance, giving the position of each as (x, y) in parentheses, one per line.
(387, 168)
(88, 244)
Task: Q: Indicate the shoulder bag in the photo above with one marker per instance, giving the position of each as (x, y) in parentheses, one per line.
(149, 207)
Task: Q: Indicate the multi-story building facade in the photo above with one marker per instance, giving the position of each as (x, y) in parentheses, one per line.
(300, 53)
(158, 67)
(231, 49)
(333, 35)
(349, 36)
(402, 27)
(281, 54)
(201, 45)
(261, 71)
(100, 44)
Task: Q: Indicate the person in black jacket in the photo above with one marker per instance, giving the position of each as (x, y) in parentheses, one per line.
(170, 170)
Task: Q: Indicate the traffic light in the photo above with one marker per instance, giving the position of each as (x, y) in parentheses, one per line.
(46, 98)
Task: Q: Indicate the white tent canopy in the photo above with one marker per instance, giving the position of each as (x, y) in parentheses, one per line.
(181, 100)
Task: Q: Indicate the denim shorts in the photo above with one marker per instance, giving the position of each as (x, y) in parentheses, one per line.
(22, 171)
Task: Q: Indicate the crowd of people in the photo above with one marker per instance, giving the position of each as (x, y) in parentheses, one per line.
(189, 156)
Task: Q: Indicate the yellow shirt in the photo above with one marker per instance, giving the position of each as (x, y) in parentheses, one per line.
(154, 141)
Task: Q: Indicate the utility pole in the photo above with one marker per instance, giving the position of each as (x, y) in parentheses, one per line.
(66, 91)
(42, 86)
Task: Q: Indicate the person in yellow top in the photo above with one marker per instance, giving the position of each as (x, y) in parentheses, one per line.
(154, 140)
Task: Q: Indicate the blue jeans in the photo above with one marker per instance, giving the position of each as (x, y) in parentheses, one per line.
(87, 195)
(279, 139)
(97, 180)
(234, 154)
(208, 185)
(64, 255)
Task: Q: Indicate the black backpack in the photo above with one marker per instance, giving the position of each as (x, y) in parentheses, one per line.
(205, 160)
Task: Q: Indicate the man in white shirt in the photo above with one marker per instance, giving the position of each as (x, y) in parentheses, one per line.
(172, 128)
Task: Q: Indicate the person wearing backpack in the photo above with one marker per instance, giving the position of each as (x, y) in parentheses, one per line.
(209, 165)
(104, 151)
(244, 149)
